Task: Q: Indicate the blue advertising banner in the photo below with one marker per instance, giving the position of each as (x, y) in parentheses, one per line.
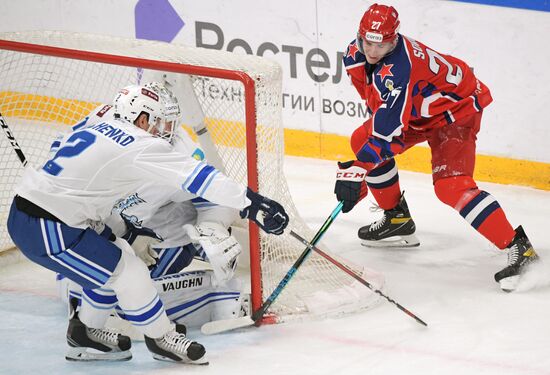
(542, 5)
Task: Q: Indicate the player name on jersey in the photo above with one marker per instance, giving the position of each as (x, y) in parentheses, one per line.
(117, 135)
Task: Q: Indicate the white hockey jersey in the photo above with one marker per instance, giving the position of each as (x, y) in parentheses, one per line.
(161, 208)
(99, 164)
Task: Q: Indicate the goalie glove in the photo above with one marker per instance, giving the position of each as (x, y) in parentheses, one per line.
(350, 184)
(221, 248)
(273, 220)
(142, 241)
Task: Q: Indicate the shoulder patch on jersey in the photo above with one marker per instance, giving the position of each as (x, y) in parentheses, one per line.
(353, 56)
(198, 154)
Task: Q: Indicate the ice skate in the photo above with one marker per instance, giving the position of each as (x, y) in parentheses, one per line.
(395, 229)
(93, 344)
(520, 255)
(174, 346)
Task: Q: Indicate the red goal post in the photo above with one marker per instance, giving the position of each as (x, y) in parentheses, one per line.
(49, 80)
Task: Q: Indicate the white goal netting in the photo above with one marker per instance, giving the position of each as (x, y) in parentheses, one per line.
(44, 90)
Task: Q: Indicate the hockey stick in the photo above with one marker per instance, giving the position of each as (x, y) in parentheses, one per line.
(13, 141)
(350, 272)
(245, 321)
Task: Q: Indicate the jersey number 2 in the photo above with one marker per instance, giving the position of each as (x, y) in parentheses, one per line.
(75, 145)
(452, 78)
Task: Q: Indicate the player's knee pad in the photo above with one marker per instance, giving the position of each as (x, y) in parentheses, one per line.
(130, 271)
(454, 190)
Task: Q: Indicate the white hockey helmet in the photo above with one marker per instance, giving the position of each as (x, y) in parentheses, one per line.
(153, 99)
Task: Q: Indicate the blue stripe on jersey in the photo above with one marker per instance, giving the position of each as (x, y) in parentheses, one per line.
(55, 145)
(453, 95)
(201, 177)
(473, 203)
(192, 175)
(205, 205)
(206, 185)
(476, 103)
(201, 202)
(428, 90)
(447, 117)
(80, 124)
(484, 214)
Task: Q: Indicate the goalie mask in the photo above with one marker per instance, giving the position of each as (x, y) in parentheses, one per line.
(153, 99)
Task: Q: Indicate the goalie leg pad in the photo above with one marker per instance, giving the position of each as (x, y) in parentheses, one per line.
(192, 300)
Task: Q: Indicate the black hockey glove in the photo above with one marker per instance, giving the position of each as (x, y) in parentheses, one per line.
(350, 184)
(273, 220)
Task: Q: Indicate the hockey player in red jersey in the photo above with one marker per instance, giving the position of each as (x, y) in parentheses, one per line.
(416, 94)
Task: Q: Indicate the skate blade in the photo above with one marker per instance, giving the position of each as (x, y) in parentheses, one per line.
(397, 241)
(201, 361)
(88, 354)
(509, 284)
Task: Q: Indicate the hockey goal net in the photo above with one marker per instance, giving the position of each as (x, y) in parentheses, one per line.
(50, 80)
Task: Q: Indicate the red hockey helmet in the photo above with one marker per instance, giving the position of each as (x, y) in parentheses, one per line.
(379, 24)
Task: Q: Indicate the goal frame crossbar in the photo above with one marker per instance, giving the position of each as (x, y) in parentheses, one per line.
(250, 119)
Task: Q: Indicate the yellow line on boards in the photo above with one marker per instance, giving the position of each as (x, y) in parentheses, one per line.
(488, 168)
(297, 142)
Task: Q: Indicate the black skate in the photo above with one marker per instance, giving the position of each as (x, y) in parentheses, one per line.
(395, 229)
(520, 255)
(175, 346)
(93, 344)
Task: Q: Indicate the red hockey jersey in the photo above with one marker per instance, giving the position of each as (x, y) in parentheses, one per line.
(414, 86)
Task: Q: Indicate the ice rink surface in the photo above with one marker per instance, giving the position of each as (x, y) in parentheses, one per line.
(474, 328)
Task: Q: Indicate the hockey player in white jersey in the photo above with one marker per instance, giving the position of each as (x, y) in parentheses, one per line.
(56, 218)
(190, 298)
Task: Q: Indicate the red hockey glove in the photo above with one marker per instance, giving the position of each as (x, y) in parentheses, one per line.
(350, 183)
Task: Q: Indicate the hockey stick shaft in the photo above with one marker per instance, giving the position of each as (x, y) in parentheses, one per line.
(258, 314)
(350, 272)
(13, 141)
